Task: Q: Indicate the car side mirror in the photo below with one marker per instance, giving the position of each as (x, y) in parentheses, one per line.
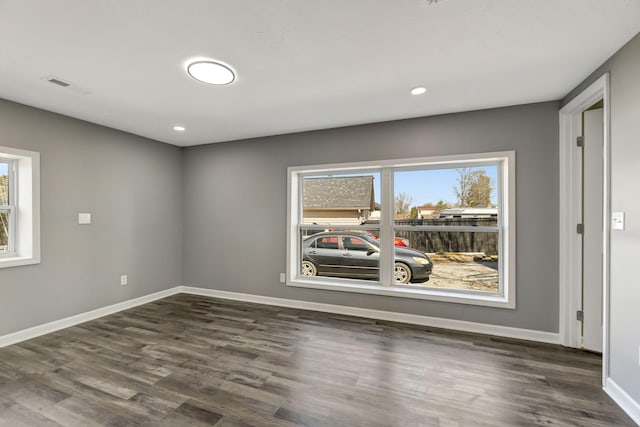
(371, 251)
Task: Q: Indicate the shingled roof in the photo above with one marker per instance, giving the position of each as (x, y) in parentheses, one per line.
(352, 192)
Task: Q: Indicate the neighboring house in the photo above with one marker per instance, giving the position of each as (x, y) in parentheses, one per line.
(338, 201)
(426, 211)
(375, 215)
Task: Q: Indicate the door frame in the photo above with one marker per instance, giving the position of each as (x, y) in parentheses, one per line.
(570, 257)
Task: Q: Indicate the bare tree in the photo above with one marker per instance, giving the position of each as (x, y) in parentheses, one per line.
(480, 191)
(4, 190)
(474, 188)
(403, 203)
(465, 180)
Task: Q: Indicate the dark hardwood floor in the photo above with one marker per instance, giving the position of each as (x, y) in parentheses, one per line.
(196, 361)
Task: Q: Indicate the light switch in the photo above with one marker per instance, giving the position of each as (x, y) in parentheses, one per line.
(617, 220)
(84, 218)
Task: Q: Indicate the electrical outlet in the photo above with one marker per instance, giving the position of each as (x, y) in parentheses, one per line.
(283, 278)
(124, 280)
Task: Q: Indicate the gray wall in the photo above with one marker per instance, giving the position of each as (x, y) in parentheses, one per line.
(624, 67)
(135, 189)
(132, 187)
(235, 206)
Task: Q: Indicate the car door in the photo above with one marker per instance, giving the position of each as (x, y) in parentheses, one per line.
(326, 255)
(360, 259)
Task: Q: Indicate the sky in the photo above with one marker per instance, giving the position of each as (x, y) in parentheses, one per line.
(4, 169)
(429, 186)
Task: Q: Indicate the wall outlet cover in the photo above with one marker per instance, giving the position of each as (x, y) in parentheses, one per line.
(617, 220)
(84, 218)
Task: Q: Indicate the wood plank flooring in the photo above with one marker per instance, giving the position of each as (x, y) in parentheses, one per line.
(195, 361)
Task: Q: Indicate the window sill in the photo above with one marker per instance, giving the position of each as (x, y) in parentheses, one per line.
(434, 294)
(17, 261)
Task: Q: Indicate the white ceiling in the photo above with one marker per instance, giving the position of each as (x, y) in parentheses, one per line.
(301, 65)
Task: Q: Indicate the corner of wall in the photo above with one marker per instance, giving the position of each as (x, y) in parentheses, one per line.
(622, 399)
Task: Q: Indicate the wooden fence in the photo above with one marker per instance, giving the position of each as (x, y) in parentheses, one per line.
(450, 241)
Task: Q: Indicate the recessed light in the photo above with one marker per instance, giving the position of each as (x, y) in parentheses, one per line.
(179, 128)
(418, 90)
(211, 72)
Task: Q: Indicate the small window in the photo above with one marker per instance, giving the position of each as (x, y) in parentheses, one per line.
(19, 207)
(7, 207)
(433, 228)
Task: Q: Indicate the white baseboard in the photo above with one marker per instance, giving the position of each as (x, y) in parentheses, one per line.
(626, 402)
(56, 325)
(435, 322)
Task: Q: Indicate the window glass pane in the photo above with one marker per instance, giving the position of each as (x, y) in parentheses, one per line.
(451, 196)
(4, 183)
(461, 260)
(340, 253)
(4, 231)
(341, 199)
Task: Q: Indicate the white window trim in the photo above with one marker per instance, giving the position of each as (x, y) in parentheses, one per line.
(26, 199)
(506, 200)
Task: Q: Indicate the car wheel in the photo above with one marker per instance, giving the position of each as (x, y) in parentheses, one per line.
(309, 268)
(401, 273)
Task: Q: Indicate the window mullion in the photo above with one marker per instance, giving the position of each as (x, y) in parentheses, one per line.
(386, 228)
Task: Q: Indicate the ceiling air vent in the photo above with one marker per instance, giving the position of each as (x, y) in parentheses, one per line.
(58, 82)
(65, 84)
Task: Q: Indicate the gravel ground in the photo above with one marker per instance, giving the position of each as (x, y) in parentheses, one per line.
(462, 272)
(473, 275)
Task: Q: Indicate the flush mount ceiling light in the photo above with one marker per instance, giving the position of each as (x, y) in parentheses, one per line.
(418, 90)
(179, 128)
(211, 72)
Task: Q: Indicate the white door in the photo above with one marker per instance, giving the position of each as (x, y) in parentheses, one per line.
(593, 232)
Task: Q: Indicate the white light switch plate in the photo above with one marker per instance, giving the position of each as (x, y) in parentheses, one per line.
(84, 218)
(617, 220)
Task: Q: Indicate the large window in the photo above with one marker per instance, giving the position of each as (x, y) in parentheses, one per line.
(432, 228)
(19, 207)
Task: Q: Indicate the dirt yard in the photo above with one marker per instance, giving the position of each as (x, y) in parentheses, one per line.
(464, 271)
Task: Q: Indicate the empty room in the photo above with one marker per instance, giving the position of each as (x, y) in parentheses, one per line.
(341, 213)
